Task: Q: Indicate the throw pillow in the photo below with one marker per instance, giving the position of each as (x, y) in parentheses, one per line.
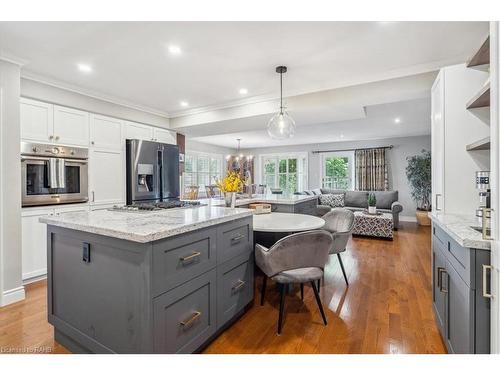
(332, 200)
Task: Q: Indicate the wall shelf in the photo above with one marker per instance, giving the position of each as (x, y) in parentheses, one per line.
(482, 55)
(482, 144)
(481, 99)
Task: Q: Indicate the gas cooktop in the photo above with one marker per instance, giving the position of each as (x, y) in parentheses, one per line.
(146, 207)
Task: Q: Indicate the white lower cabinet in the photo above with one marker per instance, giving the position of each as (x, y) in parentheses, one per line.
(107, 177)
(34, 239)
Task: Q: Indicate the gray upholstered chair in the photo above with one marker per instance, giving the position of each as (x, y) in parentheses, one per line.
(340, 223)
(297, 258)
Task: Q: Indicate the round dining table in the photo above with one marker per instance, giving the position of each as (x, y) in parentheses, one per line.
(278, 222)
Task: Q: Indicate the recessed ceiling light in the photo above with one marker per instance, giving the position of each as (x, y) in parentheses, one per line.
(184, 104)
(84, 68)
(174, 50)
(397, 120)
(243, 91)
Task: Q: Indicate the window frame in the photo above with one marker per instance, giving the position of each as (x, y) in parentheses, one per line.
(304, 175)
(339, 154)
(196, 175)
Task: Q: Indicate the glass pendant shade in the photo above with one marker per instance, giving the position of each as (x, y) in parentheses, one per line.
(281, 126)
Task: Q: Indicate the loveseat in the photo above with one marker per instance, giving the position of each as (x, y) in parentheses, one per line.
(387, 201)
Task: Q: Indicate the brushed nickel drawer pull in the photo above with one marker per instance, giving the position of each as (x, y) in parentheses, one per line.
(439, 281)
(191, 320)
(485, 293)
(240, 284)
(189, 257)
(441, 270)
(237, 238)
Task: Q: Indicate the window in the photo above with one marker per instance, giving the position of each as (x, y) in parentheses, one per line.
(202, 169)
(287, 172)
(337, 170)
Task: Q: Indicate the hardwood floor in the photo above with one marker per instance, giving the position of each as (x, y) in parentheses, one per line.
(387, 308)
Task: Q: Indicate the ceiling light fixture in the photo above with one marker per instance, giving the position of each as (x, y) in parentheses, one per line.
(84, 68)
(184, 104)
(281, 125)
(174, 50)
(397, 120)
(243, 91)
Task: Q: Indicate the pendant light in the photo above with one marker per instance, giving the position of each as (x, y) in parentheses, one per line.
(281, 125)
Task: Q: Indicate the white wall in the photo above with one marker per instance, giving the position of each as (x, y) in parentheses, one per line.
(51, 94)
(403, 147)
(205, 147)
(11, 287)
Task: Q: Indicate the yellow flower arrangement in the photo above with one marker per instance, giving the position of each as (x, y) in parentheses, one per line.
(231, 183)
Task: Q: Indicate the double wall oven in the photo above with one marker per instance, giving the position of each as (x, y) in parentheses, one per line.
(53, 174)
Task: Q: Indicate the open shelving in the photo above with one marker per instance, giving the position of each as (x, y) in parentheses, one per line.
(481, 99)
(482, 144)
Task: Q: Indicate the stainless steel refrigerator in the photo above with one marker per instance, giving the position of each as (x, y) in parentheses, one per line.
(152, 171)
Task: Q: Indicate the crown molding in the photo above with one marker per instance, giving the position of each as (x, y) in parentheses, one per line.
(92, 94)
(13, 59)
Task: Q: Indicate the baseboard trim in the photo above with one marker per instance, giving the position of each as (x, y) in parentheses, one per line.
(33, 277)
(13, 296)
(411, 219)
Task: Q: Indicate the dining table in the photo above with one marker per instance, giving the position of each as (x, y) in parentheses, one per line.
(271, 227)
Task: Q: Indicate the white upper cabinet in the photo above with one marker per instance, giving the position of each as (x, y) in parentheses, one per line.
(105, 133)
(71, 126)
(164, 136)
(107, 177)
(138, 131)
(36, 120)
(437, 140)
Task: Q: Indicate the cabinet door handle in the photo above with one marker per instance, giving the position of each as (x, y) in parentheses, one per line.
(237, 238)
(437, 205)
(190, 257)
(485, 279)
(51, 137)
(439, 281)
(193, 318)
(441, 270)
(57, 137)
(93, 196)
(240, 284)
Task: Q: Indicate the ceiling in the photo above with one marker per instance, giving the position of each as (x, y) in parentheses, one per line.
(131, 62)
(348, 79)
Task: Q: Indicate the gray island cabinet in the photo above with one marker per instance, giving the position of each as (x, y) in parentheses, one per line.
(460, 297)
(168, 295)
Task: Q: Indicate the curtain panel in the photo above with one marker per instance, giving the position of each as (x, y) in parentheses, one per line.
(371, 169)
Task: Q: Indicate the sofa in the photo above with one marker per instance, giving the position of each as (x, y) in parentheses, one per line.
(387, 201)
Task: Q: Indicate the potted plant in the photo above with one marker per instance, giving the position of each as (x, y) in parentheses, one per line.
(230, 185)
(418, 172)
(372, 204)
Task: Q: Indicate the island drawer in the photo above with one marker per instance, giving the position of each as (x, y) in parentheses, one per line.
(233, 239)
(179, 259)
(234, 287)
(185, 317)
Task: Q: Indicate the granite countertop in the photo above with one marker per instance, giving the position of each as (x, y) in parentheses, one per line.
(262, 198)
(145, 226)
(459, 228)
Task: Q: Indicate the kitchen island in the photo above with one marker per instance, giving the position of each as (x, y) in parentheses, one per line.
(166, 281)
(286, 203)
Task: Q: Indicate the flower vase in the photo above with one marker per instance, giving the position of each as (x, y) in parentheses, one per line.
(230, 199)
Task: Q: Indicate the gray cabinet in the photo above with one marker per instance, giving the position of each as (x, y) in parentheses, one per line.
(462, 313)
(185, 317)
(169, 296)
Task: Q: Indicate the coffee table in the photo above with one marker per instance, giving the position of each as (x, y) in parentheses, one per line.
(380, 225)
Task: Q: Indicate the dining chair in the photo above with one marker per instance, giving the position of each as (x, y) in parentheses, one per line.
(260, 189)
(212, 191)
(191, 192)
(295, 259)
(340, 223)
